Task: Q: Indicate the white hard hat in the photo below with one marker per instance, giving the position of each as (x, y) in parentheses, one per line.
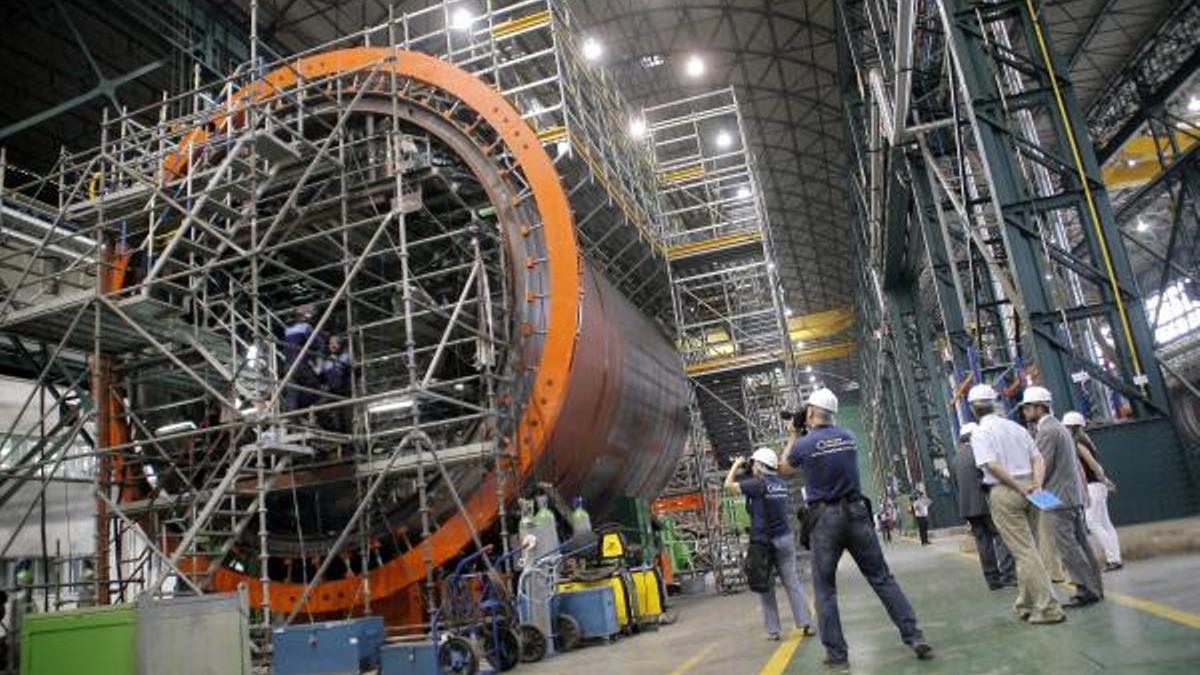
(981, 392)
(824, 399)
(766, 457)
(1036, 395)
(1074, 419)
(967, 429)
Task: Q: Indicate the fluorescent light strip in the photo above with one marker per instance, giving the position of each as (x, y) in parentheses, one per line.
(39, 223)
(175, 427)
(391, 404)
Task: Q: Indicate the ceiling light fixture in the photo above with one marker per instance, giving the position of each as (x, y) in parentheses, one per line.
(1142, 225)
(58, 230)
(175, 427)
(637, 127)
(462, 19)
(743, 192)
(724, 140)
(694, 66)
(592, 49)
(1193, 104)
(652, 61)
(391, 404)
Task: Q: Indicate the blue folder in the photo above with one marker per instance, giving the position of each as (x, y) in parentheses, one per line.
(1044, 500)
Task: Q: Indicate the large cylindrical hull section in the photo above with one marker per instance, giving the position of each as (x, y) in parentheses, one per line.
(600, 399)
(624, 421)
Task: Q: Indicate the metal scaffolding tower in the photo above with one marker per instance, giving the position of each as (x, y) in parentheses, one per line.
(729, 314)
(171, 291)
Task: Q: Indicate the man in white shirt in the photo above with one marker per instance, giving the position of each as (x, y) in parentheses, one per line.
(920, 508)
(1012, 468)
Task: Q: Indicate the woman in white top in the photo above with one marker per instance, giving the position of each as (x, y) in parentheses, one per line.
(1098, 487)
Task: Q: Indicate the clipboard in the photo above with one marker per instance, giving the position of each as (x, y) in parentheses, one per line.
(1044, 500)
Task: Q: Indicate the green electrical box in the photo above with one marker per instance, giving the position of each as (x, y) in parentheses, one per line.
(637, 527)
(96, 641)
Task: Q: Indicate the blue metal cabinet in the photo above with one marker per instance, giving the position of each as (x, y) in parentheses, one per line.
(328, 648)
(594, 608)
(414, 658)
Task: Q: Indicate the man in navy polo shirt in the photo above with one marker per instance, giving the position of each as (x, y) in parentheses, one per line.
(770, 506)
(841, 521)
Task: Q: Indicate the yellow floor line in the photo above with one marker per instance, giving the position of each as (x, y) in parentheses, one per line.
(1180, 616)
(783, 655)
(691, 663)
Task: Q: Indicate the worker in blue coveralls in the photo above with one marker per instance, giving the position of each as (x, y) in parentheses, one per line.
(304, 389)
(336, 379)
(841, 521)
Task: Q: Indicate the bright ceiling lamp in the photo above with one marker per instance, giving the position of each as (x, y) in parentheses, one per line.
(637, 127)
(462, 19)
(592, 49)
(175, 427)
(390, 405)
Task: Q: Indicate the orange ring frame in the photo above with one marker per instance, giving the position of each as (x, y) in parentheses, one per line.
(549, 389)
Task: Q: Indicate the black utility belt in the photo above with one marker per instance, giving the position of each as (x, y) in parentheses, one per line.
(818, 507)
(847, 499)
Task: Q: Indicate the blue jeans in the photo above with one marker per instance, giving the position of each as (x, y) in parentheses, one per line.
(785, 563)
(846, 526)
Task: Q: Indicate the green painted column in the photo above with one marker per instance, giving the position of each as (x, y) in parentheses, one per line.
(850, 417)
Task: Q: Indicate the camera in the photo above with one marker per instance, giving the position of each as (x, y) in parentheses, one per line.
(798, 418)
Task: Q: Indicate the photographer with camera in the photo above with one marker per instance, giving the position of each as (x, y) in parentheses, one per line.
(771, 542)
(841, 521)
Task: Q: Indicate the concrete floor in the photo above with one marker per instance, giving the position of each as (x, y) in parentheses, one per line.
(1149, 624)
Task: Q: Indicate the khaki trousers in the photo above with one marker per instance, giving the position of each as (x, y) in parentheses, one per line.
(1047, 547)
(1015, 517)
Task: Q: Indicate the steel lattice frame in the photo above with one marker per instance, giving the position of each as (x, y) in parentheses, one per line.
(981, 204)
(731, 324)
(217, 254)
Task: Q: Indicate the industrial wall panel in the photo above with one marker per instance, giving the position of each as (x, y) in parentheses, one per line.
(204, 635)
(1151, 467)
